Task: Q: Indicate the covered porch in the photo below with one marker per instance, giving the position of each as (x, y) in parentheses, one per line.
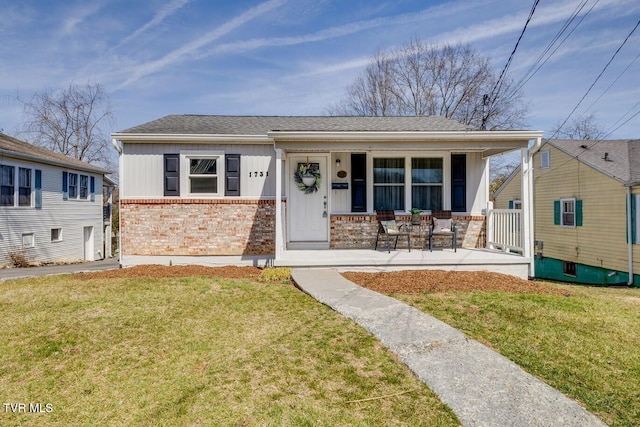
(332, 221)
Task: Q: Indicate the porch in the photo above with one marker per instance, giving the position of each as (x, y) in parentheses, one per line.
(402, 259)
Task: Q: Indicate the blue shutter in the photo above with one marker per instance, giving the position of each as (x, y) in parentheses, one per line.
(578, 213)
(92, 188)
(65, 187)
(556, 212)
(38, 188)
(510, 204)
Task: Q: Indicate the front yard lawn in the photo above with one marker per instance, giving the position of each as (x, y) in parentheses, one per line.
(194, 351)
(584, 341)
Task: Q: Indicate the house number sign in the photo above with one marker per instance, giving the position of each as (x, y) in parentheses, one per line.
(261, 174)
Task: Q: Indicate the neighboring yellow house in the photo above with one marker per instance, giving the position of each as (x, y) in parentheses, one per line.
(585, 196)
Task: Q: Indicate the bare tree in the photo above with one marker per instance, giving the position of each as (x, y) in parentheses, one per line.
(421, 79)
(582, 127)
(72, 122)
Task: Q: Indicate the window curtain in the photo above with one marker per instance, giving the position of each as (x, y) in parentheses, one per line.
(388, 184)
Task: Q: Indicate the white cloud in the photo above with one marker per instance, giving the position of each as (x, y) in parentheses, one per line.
(188, 49)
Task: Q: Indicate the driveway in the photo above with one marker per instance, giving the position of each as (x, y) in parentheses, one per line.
(19, 273)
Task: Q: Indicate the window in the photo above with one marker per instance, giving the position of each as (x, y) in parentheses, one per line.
(569, 268)
(203, 175)
(568, 212)
(84, 187)
(388, 184)
(426, 183)
(73, 186)
(6, 185)
(545, 162)
(515, 204)
(24, 187)
(56, 234)
(28, 240)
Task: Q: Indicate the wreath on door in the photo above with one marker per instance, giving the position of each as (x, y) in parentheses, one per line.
(307, 177)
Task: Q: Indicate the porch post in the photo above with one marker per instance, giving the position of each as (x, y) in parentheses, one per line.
(278, 205)
(527, 208)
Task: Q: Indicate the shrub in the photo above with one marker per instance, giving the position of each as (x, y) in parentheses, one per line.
(19, 258)
(275, 274)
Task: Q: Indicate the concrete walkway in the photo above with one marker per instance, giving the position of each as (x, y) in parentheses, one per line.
(21, 273)
(482, 387)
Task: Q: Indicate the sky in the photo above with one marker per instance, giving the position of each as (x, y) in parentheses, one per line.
(296, 57)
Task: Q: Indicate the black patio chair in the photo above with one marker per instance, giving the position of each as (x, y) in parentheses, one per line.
(442, 224)
(391, 229)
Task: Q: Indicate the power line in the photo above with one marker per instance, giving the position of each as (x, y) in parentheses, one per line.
(612, 83)
(498, 84)
(488, 100)
(597, 78)
(539, 63)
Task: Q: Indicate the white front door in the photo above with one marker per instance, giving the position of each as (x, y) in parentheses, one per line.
(88, 243)
(308, 208)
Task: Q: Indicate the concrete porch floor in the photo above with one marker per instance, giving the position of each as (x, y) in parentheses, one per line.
(360, 260)
(402, 259)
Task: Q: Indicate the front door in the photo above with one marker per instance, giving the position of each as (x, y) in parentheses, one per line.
(88, 243)
(307, 203)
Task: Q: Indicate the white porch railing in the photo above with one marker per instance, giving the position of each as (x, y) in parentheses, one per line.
(504, 230)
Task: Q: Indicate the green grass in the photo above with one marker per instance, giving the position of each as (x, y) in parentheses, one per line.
(195, 351)
(587, 345)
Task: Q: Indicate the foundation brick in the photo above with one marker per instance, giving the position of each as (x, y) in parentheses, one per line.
(197, 227)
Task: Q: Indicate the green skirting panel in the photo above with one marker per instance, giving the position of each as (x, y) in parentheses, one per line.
(551, 269)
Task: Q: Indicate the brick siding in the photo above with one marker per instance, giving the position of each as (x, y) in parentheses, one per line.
(247, 227)
(360, 231)
(197, 227)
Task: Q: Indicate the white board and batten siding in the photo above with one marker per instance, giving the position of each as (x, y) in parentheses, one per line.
(143, 168)
(71, 217)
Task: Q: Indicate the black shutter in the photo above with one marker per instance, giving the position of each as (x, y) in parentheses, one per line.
(232, 175)
(459, 182)
(171, 174)
(358, 182)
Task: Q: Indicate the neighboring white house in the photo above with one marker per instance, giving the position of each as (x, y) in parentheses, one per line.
(214, 186)
(51, 205)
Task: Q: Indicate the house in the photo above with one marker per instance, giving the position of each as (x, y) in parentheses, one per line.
(234, 186)
(585, 210)
(51, 205)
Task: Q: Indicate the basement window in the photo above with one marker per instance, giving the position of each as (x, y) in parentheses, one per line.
(569, 268)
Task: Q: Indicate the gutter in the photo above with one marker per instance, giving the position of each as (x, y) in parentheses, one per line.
(53, 162)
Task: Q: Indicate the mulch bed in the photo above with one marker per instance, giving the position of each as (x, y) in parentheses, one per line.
(409, 281)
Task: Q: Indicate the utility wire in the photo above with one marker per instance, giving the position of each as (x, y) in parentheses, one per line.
(498, 84)
(597, 78)
(539, 63)
(612, 83)
(488, 100)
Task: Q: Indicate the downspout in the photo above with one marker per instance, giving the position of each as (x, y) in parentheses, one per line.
(118, 147)
(629, 237)
(279, 213)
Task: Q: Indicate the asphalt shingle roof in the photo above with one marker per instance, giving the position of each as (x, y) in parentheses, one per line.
(260, 125)
(619, 159)
(22, 149)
